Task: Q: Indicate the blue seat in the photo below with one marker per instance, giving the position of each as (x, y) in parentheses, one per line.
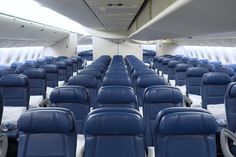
(20, 68)
(180, 74)
(15, 92)
(61, 71)
(145, 81)
(213, 88)
(171, 69)
(47, 132)
(225, 69)
(165, 63)
(116, 80)
(116, 96)
(38, 85)
(74, 98)
(7, 71)
(89, 82)
(114, 132)
(69, 68)
(209, 66)
(194, 62)
(157, 98)
(51, 74)
(185, 132)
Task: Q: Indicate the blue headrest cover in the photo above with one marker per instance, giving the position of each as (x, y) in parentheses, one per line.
(172, 64)
(182, 67)
(216, 78)
(46, 120)
(123, 81)
(196, 71)
(87, 81)
(116, 95)
(37, 73)
(69, 94)
(14, 80)
(186, 123)
(50, 68)
(163, 94)
(144, 81)
(114, 123)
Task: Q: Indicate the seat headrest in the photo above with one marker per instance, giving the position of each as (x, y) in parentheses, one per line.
(60, 64)
(172, 64)
(93, 72)
(37, 73)
(182, 67)
(14, 80)
(231, 90)
(122, 81)
(144, 81)
(185, 122)
(145, 71)
(69, 94)
(68, 62)
(116, 95)
(166, 61)
(47, 120)
(87, 81)
(216, 78)
(163, 94)
(7, 71)
(114, 122)
(196, 71)
(50, 68)
(225, 69)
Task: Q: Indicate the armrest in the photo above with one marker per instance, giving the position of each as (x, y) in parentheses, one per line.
(224, 136)
(80, 145)
(187, 101)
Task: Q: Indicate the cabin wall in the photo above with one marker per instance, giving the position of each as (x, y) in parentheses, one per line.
(164, 49)
(106, 47)
(65, 47)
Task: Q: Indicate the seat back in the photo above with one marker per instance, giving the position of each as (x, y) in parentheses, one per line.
(47, 132)
(51, 74)
(193, 79)
(61, 70)
(213, 88)
(185, 132)
(87, 81)
(7, 71)
(114, 132)
(171, 69)
(116, 80)
(157, 98)
(116, 96)
(180, 74)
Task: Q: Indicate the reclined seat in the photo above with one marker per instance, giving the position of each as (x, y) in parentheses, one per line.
(89, 82)
(145, 81)
(185, 132)
(213, 88)
(47, 132)
(51, 76)
(15, 93)
(193, 84)
(157, 98)
(116, 96)
(116, 132)
(228, 137)
(38, 85)
(74, 98)
(180, 76)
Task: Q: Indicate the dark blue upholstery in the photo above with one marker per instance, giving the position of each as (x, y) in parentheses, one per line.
(145, 81)
(165, 63)
(225, 69)
(61, 71)
(209, 66)
(89, 82)
(48, 132)
(7, 71)
(114, 132)
(185, 132)
(194, 62)
(193, 79)
(51, 74)
(230, 97)
(180, 74)
(74, 98)
(213, 88)
(15, 90)
(69, 68)
(116, 80)
(171, 69)
(116, 96)
(37, 81)
(157, 98)
(20, 68)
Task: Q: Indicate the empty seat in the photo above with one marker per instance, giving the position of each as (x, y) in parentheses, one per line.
(74, 98)
(157, 98)
(62, 78)
(7, 71)
(225, 69)
(145, 81)
(38, 85)
(116, 80)
(116, 96)
(116, 133)
(15, 93)
(209, 66)
(89, 82)
(47, 132)
(213, 90)
(193, 84)
(171, 71)
(185, 132)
